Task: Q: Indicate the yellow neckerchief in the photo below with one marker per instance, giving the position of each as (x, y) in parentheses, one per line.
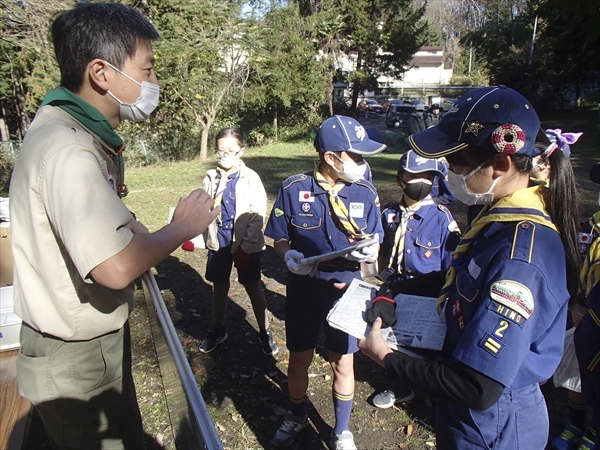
(337, 205)
(223, 183)
(523, 204)
(590, 271)
(399, 236)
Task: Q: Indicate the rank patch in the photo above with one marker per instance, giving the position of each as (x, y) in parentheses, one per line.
(514, 295)
(306, 196)
(491, 345)
(428, 253)
(278, 212)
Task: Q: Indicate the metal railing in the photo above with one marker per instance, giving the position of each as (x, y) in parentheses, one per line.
(192, 425)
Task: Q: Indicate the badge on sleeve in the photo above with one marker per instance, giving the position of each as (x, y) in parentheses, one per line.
(513, 295)
(306, 196)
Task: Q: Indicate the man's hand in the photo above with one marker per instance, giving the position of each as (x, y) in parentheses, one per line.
(241, 259)
(195, 212)
(374, 345)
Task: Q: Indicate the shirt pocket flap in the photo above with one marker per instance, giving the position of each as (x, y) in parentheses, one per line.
(466, 286)
(428, 242)
(306, 223)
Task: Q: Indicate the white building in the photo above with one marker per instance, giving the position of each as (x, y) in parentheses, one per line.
(426, 70)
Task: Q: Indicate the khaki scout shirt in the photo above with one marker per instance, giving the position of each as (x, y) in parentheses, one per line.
(66, 219)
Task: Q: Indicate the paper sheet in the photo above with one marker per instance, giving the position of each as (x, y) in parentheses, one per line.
(418, 324)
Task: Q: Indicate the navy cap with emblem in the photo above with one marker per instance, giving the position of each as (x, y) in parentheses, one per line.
(495, 118)
(344, 134)
(413, 163)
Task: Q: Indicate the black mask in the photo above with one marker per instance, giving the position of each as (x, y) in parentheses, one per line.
(417, 189)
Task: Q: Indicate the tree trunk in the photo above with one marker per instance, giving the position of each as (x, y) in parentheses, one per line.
(21, 110)
(275, 126)
(330, 95)
(204, 138)
(4, 133)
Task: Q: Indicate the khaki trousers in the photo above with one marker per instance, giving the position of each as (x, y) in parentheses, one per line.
(83, 391)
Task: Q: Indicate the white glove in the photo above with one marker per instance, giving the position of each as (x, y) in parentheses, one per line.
(292, 259)
(365, 254)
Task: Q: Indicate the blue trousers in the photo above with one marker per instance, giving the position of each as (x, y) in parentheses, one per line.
(518, 420)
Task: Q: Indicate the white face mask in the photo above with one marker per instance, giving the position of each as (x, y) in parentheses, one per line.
(141, 109)
(458, 187)
(352, 172)
(227, 162)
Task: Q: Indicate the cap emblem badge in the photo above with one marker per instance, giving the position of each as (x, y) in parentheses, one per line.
(474, 127)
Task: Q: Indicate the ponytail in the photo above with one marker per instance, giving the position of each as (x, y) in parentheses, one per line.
(562, 204)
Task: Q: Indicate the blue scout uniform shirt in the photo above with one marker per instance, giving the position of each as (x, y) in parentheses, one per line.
(225, 229)
(301, 215)
(506, 313)
(431, 236)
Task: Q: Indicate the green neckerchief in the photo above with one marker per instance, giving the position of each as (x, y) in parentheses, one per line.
(95, 121)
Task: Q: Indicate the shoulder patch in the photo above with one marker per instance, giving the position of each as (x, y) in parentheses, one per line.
(278, 212)
(513, 295)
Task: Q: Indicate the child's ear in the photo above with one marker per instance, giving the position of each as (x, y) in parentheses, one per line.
(241, 152)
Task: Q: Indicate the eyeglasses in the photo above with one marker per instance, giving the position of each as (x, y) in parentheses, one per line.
(228, 151)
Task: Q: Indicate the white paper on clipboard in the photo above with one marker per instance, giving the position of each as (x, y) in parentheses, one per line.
(198, 241)
(337, 253)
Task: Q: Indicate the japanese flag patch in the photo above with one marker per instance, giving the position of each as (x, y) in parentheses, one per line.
(306, 196)
(513, 295)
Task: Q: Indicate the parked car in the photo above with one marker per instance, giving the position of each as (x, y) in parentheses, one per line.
(397, 114)
(374, 107)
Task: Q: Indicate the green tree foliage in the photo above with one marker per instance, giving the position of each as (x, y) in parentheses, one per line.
(380, 35)
(568, 46)
(203, 56)
(503, 42)
(287, 80)
(27, 66)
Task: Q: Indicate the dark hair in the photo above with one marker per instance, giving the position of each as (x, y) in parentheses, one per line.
(560, 198)
(231, 132)
(109, 31)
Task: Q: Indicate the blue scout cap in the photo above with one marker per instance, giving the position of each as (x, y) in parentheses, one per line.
(413, 163)
(495, 118)
(344, 134)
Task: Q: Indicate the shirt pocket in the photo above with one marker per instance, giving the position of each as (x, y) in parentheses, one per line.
(427, 256)
(466, 287)
(306, 223)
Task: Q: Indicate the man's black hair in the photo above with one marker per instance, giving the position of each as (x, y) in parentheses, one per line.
(110, 31)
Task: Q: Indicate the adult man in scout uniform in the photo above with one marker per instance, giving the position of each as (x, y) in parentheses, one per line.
(77, 249)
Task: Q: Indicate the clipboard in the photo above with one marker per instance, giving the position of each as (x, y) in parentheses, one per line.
(337, 253)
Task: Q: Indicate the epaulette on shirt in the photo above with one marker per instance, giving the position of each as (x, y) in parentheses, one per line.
(368, 185)
(294, 179)
(522, 248)
(387, 206)
(452, 225)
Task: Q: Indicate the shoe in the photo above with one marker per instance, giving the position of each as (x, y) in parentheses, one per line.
(586, 444)
(387, 398)
(289, 429)
(567, 439)
(342, 441)
(265, 339)
(215, 337)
